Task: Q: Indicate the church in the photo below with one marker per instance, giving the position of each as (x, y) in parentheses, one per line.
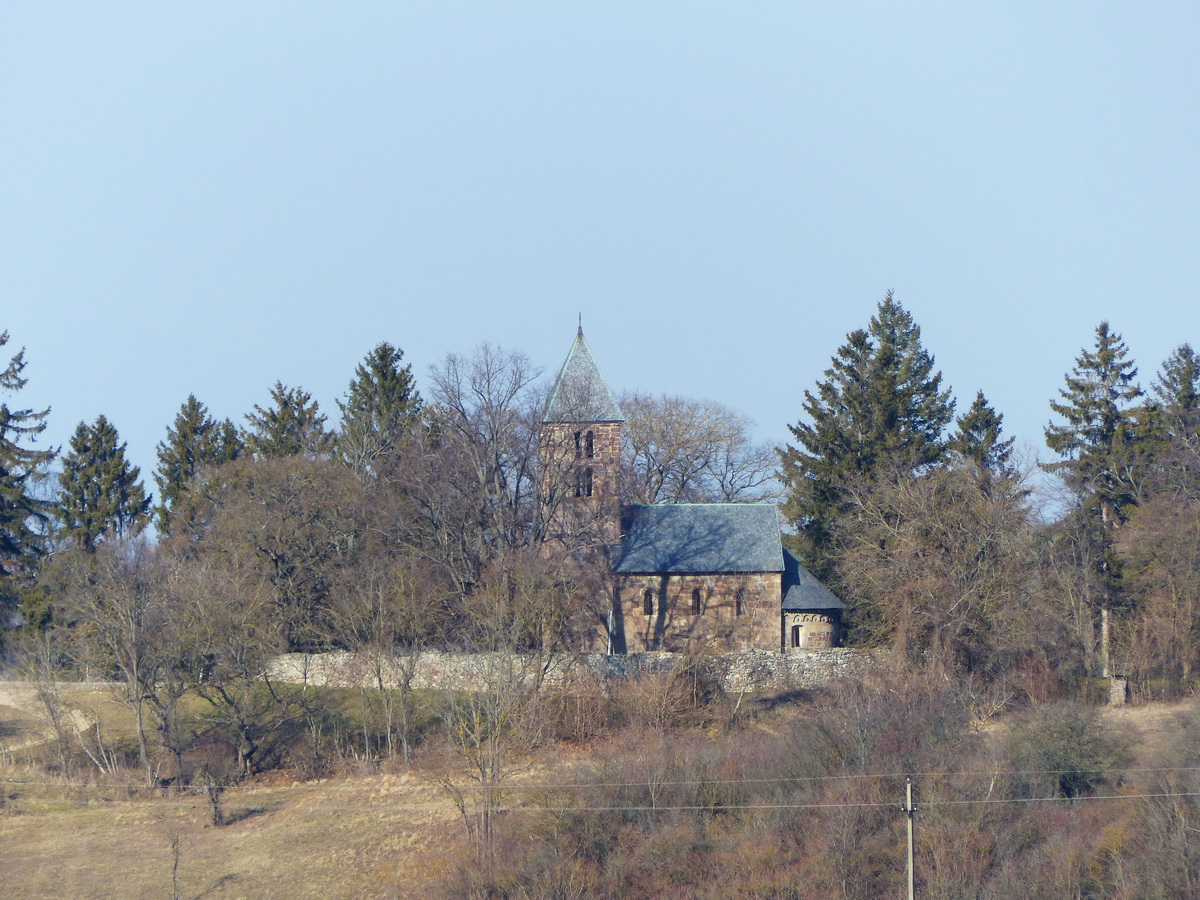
(681, 573)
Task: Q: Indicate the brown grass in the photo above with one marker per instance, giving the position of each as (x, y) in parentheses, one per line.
(378, 836)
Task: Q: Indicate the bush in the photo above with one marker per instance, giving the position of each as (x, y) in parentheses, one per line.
(1063, 747)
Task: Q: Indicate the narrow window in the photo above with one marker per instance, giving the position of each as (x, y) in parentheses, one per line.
(578, 444)
(590, 445)
(578, 483)
(796, 635)
(648, 602)
(587, 482)
(739, 601)
(695, 601)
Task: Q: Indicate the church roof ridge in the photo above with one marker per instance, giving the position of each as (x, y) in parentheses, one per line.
(580, 393)
(712, 503)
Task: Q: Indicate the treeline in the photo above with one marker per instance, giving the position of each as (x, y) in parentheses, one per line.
(923, 521)
(418, 522)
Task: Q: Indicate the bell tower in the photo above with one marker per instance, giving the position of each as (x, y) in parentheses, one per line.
(580, 454)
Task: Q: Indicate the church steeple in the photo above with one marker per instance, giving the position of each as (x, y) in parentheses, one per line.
(580, 393)
(581, 451)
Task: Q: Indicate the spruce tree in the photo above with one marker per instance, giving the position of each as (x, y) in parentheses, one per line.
(879, 412)
(100, 493)
(24, 517)
(195, 441)
(978, 441)
(291, 426)
(1176, 392)
(1101, 445)
(381, 404)
(1101, 428)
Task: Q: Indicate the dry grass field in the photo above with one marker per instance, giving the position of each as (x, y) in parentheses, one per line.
(351, 836)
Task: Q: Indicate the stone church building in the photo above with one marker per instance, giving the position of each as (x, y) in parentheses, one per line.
(712, 572)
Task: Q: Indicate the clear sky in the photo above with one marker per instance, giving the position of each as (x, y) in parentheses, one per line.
(206, 197)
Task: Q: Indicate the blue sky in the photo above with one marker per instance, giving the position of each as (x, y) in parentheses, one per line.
(204, 198)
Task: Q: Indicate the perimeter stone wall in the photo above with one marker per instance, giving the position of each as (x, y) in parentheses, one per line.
(754, 670)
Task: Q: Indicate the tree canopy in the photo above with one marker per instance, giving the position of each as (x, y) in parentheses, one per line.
(879, 412)
(292, 425)
(1100, 427)
(23, 515)
(194, 442)
(100, 493)
(381, 404)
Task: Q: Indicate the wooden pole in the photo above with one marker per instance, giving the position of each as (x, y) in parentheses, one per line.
(909, 809)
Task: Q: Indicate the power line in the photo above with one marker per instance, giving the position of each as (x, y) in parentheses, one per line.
(689, 782)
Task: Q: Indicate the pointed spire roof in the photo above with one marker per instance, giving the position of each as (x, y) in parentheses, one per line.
(580, 393)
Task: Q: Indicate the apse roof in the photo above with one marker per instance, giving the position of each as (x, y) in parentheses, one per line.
(801, 590)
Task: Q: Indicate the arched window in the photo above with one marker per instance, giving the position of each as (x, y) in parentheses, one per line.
(695, 601)
(648, 602)
(583, 483)
(589, 445)
(796, 638)
(739, 602)
(578, 444)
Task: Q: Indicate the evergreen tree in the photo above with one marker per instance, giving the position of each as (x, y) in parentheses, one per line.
(1101, 445)
(1176, 391)
(1101, 431)
(100, 493)
(880, 412)
(381, 404)
(23, 515)
(978, 440)
(293, 425)
(194, 442)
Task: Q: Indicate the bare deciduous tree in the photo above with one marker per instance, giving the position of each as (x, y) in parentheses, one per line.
(679, 450)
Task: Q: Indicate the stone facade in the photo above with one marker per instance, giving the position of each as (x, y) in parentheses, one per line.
(811, 630)
(580, 471)
(726, 611)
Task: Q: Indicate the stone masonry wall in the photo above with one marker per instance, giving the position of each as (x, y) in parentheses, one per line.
(580, 468)
(753, 670)
(674, 625)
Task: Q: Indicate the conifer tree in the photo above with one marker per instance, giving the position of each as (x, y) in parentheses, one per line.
(23, 516)
(880, 412)
(381, 404)
(1100, 444)
(194, 442)
(291, 426)
(100, 493)
(978, 441)
(1101, 428)
(1176, 391)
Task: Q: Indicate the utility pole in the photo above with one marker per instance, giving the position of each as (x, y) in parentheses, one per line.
(909, 811)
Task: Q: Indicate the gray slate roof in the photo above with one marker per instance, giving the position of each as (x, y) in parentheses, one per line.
(802, 591)
(580, 393)
(696, 538)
